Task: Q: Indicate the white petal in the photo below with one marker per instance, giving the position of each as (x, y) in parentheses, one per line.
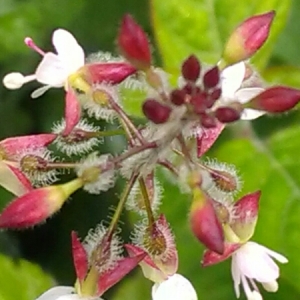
(255, 295)
(58, 292)
(51, 71)
(254, 262)
(232, 78)
(10, 182)
(274, 254)
(236, 276)
(251, 114)
(40, 91)
(246, 94)
(271, 286)
(175, 287)
(68, 50)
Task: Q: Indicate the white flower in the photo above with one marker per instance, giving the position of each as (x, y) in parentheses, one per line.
(176, 287)
(54, 69)
(253, 262)
(231, 80)
(63, 293)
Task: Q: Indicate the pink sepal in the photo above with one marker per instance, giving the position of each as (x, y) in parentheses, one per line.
(15, 145)
(212, 258)
(207, 139)
(112, 73)
(72, 112)
(121, 269)
(80, 259)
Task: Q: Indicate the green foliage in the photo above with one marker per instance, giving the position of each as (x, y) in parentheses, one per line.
(202, 27)
(21, 280)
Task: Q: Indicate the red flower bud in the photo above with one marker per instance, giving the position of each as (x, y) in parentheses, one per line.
(133, 43)
(178, 97)
(156, 112)
(275, 99)
(211, 78)
(191, 68)
(37, 205)
(227, 114)
(205, 224)
(248, 38)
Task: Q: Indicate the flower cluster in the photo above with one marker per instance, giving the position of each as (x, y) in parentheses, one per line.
(181, 123)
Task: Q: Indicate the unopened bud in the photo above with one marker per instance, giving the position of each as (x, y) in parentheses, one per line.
(156, 112)
(275, 99)
(245, 216)
(205, 224)
(211, 78)
(37, 205)
(248, 38)
(178, 97)
(208, 121)
(133, 43)
(191, 68)
(227, 114)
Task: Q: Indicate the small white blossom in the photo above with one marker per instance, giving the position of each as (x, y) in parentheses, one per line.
(253, 262)
(176, 287)
(64, 293)
(54, 69)
(231, 81)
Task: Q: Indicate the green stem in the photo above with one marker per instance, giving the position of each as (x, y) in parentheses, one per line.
(119, 209)
(146, 201)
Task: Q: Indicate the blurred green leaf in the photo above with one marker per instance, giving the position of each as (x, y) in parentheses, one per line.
(22, 280)
(202, 27)
(289, 75)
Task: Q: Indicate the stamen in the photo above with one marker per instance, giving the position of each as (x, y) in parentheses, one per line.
(30, 43)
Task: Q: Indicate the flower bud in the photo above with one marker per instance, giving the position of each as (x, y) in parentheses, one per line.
(246, 212)
(204, 222)
(155, 111)
(191, 68)
(37, 205)
(227, 114)
(275, 99)
(133, 43)
(211, 78)
(248, 38)
(178, 97)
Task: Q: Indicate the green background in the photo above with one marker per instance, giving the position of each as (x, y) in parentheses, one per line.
(266, 152)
